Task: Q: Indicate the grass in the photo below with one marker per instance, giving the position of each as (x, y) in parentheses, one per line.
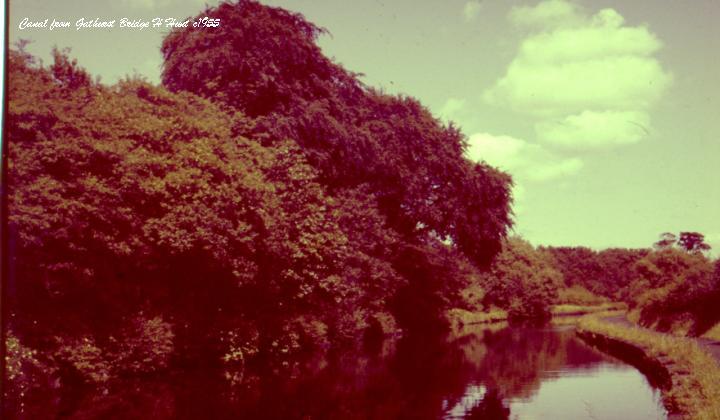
(572, 309)
(679, 329)
(695, 391)
(464, 317)
(461, 317)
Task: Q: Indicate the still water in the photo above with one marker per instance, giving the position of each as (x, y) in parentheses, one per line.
(497, 372)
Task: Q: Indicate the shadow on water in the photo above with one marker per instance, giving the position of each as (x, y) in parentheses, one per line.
(486, 373)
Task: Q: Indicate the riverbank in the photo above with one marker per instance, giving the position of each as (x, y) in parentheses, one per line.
(576, 310)
(461, 317)
(693, 375)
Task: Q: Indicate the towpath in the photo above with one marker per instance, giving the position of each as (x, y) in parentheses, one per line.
(711, 346)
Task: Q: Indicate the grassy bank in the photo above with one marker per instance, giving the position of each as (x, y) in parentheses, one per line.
(574, 310)
(695, 375)
(460, 318)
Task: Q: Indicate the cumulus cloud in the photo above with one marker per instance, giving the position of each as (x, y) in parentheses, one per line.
(590, 80)
(596, 129)
(471, 10)
(525, 161)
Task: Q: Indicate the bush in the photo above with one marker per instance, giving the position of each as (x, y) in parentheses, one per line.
(672, 283)
(522, 280)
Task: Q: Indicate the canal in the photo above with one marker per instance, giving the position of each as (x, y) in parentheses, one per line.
(485, 372)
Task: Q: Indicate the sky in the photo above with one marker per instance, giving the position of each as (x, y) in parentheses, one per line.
(605, 112)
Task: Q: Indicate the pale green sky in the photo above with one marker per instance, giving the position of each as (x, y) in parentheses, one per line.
(606, 112)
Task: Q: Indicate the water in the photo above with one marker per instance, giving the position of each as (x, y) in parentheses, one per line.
(570, 380)
(497, 372)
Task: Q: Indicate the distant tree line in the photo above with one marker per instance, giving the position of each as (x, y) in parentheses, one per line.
(672, 286)
(675, 285)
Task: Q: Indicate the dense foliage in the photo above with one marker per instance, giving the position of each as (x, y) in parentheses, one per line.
(675, 290)
(130, 200)
(264, 204)
(264, 62)
(606, 273)
(275, 208)
(522, 280)
(671, 287)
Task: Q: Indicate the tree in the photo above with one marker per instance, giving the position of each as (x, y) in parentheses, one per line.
(693, 242)
(131, 198)
(667, 240)
(579, 266)
(522, 280)
(688, 241)
(266, 64)
(670, 282)
(618, 267)
(214, 225)
(263, 202)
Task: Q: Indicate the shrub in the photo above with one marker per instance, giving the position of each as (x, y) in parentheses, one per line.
(522, 280)
(672, 284)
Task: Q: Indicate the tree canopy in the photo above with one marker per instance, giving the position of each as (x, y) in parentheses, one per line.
(264, 62)
(523, 280)
(267, 204)
(688, 241)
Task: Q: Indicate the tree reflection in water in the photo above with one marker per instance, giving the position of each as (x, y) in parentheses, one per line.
(473, 376)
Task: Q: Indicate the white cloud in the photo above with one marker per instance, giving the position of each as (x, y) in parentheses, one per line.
(471, 10)
(577, 73)
(596, 129)
(525, 161)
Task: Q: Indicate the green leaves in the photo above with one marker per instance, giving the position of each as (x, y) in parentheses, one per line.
(270, 186)
(265, 63)
(523, 280)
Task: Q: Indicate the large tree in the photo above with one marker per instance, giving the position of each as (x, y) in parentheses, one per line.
(264, 62)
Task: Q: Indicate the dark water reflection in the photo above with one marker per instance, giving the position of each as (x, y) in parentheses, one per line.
(487, 373)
